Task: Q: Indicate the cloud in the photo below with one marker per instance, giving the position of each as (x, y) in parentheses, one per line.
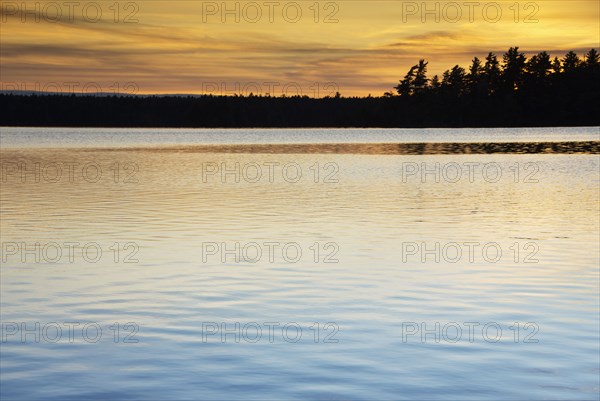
(174, 52)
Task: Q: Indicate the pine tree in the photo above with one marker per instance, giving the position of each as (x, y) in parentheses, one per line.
(405, 86)
(592, 59)
(571, 62)
(475, 75)
(513, 68)
(491, 72)
(539, 66)
(419, 84)
(435, 83)
(556, 66)
(455, 80)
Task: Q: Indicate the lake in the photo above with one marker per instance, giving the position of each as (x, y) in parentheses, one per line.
(300, 264)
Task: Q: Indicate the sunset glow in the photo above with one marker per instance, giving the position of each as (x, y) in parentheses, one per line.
(313, 48)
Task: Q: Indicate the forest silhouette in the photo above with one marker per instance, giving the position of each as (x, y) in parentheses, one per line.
(507, 92)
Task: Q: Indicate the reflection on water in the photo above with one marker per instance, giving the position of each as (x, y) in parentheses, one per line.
(14, 137)
(441, 148)
(369, 227)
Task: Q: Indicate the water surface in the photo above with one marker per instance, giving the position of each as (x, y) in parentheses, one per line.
(14, 137)
(367, 208)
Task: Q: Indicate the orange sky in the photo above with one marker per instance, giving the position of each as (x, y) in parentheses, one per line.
(358, 47)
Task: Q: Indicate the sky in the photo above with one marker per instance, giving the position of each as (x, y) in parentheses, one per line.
(313, 48)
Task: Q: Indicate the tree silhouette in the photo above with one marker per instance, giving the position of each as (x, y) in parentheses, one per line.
(538, 68)
(539, 65)
(571, 62)
(513, 69)
(592, 59)
(406, 84)
(520, 92)
(454, 81)
(475, 76)
(556, 66)
(420, 81)
(415, 80)
(435, 84)
(491, 71)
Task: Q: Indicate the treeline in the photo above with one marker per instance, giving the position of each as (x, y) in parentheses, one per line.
(516, 74)
(513, 91)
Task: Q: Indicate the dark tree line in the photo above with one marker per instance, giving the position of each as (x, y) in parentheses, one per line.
(493, 78)
(514, 91)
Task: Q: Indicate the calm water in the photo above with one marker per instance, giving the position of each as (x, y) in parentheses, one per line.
(384, 257)
(114, 137)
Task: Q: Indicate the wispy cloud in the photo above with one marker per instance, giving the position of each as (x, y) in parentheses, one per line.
(366, 52)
